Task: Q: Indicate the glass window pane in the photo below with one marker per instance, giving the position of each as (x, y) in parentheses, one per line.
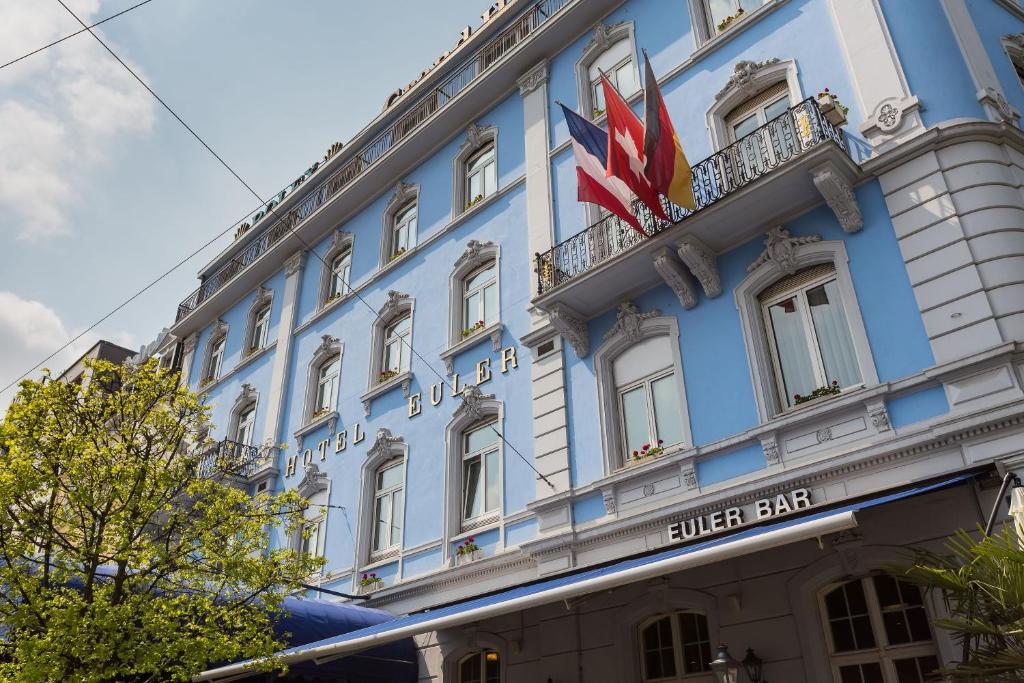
(917, 620)
(598, 95)
(792, 352)
(475, 189)
(380, 514)
(634, 415)
(473, 501)
(659, 656)
(469, 672)
(745, 127)
(493, 482)
(668, 414)
(776, 108)
(393, 355)
(480, 277)
(490, 179)
(834, 340)
(835, 604)
(863, 632)
(625, 79)
(392, 476)
(397, 514)
(842, 636)
(850, 674)
(481, 437)
(719, 10)
(492, 667)
(490, 304)
(472, 312)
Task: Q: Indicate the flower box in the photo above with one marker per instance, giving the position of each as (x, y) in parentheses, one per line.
(469, 331)
(647, 452)
(730, 20)
(369, 583)
(468, 552)
(386, 375)
(834, 110)
(821, 392)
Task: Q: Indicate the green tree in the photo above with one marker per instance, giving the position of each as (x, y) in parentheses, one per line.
(982, 585)
(118, 561)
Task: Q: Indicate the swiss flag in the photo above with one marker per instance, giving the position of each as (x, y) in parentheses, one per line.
(625, 149)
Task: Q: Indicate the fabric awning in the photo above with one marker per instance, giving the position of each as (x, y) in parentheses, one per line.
(812, 524)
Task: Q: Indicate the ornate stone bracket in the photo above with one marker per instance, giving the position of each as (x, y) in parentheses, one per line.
(396, 300)
(383, 444)
(476, 254)
(702, 262)
(571, 326)
(533, 79)
(879, 416)
(889, 117)
(313, 481)
(295, 263)
(629, 320)
(780, 249)
(689, 473)
(477, 135)
(608, 496)
(675, 276)
(997, 106)
(839, 196)
(472, 403)
(771, 450)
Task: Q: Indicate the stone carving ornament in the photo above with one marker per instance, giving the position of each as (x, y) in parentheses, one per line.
(743, 77)
(780, 248)
(629, 321)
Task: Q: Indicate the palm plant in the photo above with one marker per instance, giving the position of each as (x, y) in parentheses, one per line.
(982, 586)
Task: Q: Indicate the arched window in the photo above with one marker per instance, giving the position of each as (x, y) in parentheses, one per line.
(326, 385)
(396, 353)
(260, 326)
(877, 632)
(811, 345)
(215, 350)
(246, 425)
(480, 667)
(388, 506)
(336, 274)
(674, 646)
(761, 131)
(216, 358)
(480, 298)
(403, 231)
(611, 49)
(481, 472)
(341, 272)
(481, 175)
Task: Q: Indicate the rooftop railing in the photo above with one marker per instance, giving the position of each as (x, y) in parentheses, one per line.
(776, 143)
(467, 72)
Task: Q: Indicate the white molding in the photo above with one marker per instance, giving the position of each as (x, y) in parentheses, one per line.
(632, 327)
(571, 326)
(219, 333)
(793, 254)
(329, 347)
(247, 397)
(702, 262)
(477, 136)
(603, 37)
(397, 305)
(839, 196)
(264, 299)
(386, 447)
(280, 370)
(403, 195)
(675, 276)
(749, 78)
(493, 331)
(475, 255)
(340, 241)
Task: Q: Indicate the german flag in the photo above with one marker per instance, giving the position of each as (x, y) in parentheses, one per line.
(666, 168)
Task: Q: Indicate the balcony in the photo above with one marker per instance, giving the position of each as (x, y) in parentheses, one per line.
(523, 42)
(783, 168)
(229, 458)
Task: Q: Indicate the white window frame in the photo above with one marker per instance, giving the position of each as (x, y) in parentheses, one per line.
(385, 451)
(677, 648)
(755, 333)
(260, 310)
(389, 493)
(616, 342)
(341, 275)
(646, 383)
(216, 349)
(883, 653)
(406, 220)
(404, 196)
(329, 348)
(604, 38)
(738, 91)
(260, 328)
(486, 515)
(341, 246)
(246, 422)
(398, 305)
(324, 400)
(478, 138)
(467, 320)
(312, 545)
(485, 409)
(475, 257)
(481, 654)
(476, 167)
(401, 342)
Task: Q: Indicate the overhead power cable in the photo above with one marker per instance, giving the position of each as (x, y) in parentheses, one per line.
(72, 35)
(294, 233)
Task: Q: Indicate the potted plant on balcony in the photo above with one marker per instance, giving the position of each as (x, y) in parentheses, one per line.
(396, 254)
(832, 108)
(206, 381)
(369, 583)
(320, 412)
(475, 200)
(647, 451)
(728, 21)
(821, 392)
(475, 328)
(468, 551)
(385, 375)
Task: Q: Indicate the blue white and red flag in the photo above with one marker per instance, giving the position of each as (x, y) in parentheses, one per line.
(590, 145)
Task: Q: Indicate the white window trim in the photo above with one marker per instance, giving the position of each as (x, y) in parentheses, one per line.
(341, 241)
(1014, 49)
(478, 409)
(748, 80)
(658, 600)
(219, 334)
(329, 347)
(401, 197)
(247, 398)
(481, 455)
(474, 257)
(263, 301)
(603, 37)
(477, 137)
(619, 339)
(704, 32)
(397, 305)
(466, 642)
(384, 449)
(755, 333)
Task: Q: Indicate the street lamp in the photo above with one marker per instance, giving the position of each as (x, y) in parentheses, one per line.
(753, 664)
(725, 668)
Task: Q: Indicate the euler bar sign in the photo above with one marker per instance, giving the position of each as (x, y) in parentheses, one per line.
(721, 520)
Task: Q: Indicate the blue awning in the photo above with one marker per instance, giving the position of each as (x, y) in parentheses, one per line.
(567, 586)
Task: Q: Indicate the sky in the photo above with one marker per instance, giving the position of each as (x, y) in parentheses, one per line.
(102, 191)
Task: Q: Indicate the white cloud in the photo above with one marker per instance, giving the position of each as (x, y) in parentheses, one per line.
(64, 110)
(30, 331)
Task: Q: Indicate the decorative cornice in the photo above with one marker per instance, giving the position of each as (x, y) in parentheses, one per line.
(571, 326)
(675, 276)
(473, 403)
(702, 262)
(476, 254)
(477, 135)
(743, 77)
(839, 196)
(383, 444)
(402, 193)
(190, 343)
(396, 301)
(339, 240)
(780, 249)
(629, 320)
(313, 481)
(603, 37)
(533, 79)
(328, 344)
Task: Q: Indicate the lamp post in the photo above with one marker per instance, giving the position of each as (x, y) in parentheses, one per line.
(753, 664)
(725, 668)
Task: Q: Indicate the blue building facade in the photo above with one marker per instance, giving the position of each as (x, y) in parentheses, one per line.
(481, 382)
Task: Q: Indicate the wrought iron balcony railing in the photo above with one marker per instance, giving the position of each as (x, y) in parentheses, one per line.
(753, 156)
(467, 72)
(229, 457)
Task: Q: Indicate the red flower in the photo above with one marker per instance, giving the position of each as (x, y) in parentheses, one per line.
(826, 89)
(364, 576)
(469, 540)
(660, 441)
(835, 383)
(636, 453)
(796, 396)
(373, 575)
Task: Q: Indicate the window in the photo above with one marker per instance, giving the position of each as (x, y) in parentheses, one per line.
(877, 632)
(481, 175)
(612, 51)
(310, 539)
(260, 326)
(396, 353)
(480, 667)
(389, 491)
(480, 298)
(649, 399)
(403, 231)
(216, 359)
(246, 423)
(341, 272)
(721, 13)
(673, 646)
(326, 385)
(761, 131)
(481, 472)
(808, 334)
